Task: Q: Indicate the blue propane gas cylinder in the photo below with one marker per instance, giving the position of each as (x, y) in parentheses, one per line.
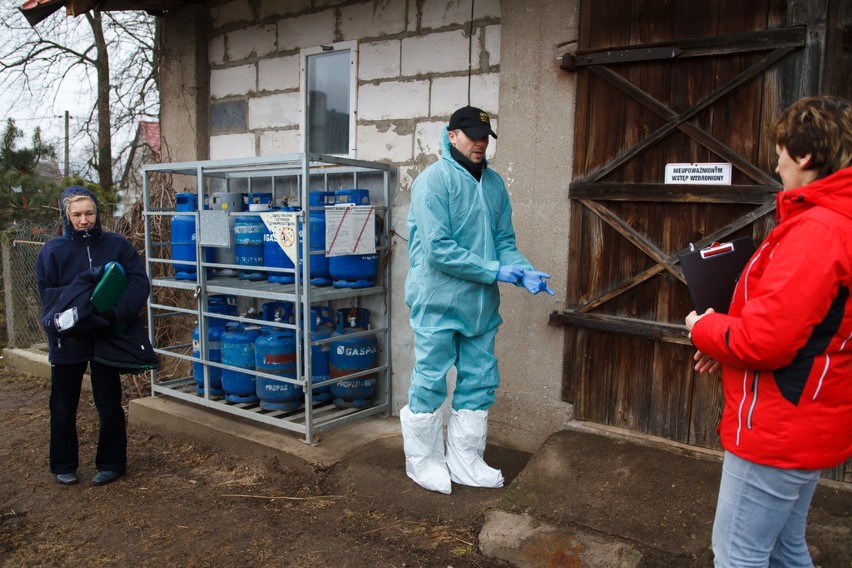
(322, 327)
(354, 270)
(275, 257)
(214, 352)
(238, 351)
(320, 275)
(231, 202)
(275, 353)
(350, 355)
(248, 237)
(183, 235)
(278, 311)
(221, 304)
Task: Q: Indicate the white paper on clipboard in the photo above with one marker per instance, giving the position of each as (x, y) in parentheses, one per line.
(350, 229)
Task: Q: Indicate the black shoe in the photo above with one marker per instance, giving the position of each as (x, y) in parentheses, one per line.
(67, 478)
(105, 476)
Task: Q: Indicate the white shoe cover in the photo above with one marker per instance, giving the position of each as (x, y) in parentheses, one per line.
(423, 443)
(466, 432)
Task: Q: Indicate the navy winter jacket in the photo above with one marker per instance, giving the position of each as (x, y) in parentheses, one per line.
(62, 259)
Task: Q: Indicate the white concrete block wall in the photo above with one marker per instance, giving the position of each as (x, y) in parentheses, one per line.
(233, 81)
(442, 14)
(216, 50)
(306, 31)
(276, 142)
(271, 8)
(273, 111)
(450, 93)
(487, 9)
(379, 60)
(427, 139)
(384, 144)
(393, 100)
(454, 12)
(278, 74)
(406, 178)
(254, 41)
(491, 46)
(231, 13)
(369, 19)
(438, 53)
(232, 146)
(269, 77)
(412, 20)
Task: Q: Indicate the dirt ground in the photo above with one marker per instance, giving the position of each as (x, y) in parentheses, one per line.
(191, 506)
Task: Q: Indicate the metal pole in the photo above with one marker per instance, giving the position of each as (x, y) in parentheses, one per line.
(67, 169)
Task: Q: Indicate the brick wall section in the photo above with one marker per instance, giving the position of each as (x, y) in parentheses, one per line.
(413, 72)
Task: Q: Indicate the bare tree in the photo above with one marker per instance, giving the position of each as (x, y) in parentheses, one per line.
(116, 51)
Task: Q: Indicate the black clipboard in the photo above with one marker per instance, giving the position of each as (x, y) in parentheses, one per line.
(112, 284)
(712, 272)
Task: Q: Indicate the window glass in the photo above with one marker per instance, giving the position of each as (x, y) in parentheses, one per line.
(330, 84)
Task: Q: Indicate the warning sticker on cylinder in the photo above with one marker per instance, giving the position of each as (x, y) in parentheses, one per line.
(350, 229)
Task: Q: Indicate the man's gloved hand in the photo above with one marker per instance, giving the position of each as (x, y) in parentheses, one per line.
(509, 273)
(535, 282)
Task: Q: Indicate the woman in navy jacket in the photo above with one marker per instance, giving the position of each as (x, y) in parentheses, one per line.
(85, 246)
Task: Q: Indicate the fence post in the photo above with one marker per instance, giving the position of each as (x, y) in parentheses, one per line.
(23, 305)
(12, 328)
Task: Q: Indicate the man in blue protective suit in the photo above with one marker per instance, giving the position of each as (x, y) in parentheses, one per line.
(461, 243)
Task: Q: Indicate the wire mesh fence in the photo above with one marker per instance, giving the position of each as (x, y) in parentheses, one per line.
(21, 245)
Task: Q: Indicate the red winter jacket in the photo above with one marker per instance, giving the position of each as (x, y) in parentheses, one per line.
(786, 344)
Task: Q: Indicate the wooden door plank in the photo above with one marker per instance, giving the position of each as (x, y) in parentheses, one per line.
(724, 44)
(674, 193)
(724, 151)
(663, 131)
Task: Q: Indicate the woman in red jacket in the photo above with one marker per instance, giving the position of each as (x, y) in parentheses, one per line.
(785, 347)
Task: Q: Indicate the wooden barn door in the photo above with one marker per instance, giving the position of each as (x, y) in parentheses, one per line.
(663, 82)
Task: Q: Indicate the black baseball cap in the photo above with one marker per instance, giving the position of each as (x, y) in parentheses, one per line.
(474, 122)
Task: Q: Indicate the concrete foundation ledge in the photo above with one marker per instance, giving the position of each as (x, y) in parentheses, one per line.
(179, 419)
(27, 361)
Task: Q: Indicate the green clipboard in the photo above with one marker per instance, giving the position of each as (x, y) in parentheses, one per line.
(112, 285)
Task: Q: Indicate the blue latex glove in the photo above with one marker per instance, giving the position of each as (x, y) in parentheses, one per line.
(535, 282)
(509, 273)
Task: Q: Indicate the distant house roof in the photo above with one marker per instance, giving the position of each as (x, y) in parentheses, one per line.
(37, 10)
(146, 145)
(145, 150)
(150, 134)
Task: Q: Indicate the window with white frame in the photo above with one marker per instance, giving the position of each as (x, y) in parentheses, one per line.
(328, 98)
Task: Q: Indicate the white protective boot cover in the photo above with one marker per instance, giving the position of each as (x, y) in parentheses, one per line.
(466, 432)
(423, 444)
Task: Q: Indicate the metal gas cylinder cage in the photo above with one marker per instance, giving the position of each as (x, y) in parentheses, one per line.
(298, 186)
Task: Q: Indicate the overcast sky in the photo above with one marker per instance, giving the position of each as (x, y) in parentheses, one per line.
(47, 110)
